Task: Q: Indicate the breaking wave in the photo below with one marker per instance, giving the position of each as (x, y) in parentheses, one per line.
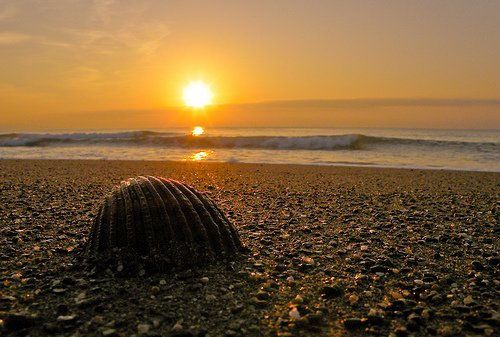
(179, 140)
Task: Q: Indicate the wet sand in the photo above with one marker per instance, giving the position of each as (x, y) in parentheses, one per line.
(333, 251)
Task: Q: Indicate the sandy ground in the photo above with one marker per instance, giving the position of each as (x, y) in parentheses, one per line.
(333, 251)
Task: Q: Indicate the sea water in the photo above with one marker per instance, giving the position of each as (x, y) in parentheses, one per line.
(477, 150)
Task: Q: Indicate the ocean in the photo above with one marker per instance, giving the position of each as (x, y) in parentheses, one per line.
(477, 150)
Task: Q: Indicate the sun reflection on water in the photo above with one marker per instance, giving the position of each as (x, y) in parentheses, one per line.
(198, 156)
(197, 131)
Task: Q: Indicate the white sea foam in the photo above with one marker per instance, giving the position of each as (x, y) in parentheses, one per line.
(476, 150)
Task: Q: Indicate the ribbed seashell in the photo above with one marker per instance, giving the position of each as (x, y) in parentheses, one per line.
(163, 219)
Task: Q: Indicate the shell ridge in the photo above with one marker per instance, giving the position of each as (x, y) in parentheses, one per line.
(93, 231)
(112, 219)
(100, 225)
(142, 210)
(225, 233)
(186, 249)
(129, 215)
(106, 224)
(207, 221)
(232, 241)
(159, 188)
(178, 247)
(200, 243)
(120, 229)
(234, 232)
(155, 212)
(193, 220)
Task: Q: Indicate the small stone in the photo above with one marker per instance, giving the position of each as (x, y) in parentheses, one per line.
(262, 295)
(143, 328)
(298, 299)
(177, 327)
(468, 300)
(258, 303)
(353, 323)
(119, 268)
(332, 291)
(294, 313)
(415, 318)
(163, 282)
(110, 332)
(478, 266)
(302, 322)
(376, 316)
(67, 318)
(155, 290)
(445, 331)
(418, 282)
(353, 299)
(210, 298)
(401, 331)
(204, 280)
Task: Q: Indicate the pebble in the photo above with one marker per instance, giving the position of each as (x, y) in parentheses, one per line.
(477, 265)
(143, 328)
(109, 332)
(67, 318)
(353, 299)
(262, 295)
(177, 327)
(294, 313)
(468, 300)
(376, 316)
(210, 297)
(353, 323)
(332, 291)
(258, 303)
(401, 331)
(204, 280)
(298, 299)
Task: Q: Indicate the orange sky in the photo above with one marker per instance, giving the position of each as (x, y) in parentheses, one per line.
(122, 64)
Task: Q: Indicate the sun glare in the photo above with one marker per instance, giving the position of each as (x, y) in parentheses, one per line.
(197, 95)
(199, 156)
(197, 131)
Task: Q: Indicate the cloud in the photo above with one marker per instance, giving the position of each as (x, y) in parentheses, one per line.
(100, 27)
(374, 102)
(7, 11)
(10, 38)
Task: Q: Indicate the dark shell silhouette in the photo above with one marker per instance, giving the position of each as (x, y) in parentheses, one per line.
(167, 221)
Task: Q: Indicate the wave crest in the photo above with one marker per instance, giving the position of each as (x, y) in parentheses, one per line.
(173, 139)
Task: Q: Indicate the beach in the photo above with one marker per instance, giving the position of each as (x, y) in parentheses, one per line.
(333, 251)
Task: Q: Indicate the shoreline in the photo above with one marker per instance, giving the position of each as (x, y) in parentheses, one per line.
(347, 165)
(349, 251)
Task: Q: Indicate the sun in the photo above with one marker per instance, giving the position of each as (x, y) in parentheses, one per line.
(197, 131)
(197, 94)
